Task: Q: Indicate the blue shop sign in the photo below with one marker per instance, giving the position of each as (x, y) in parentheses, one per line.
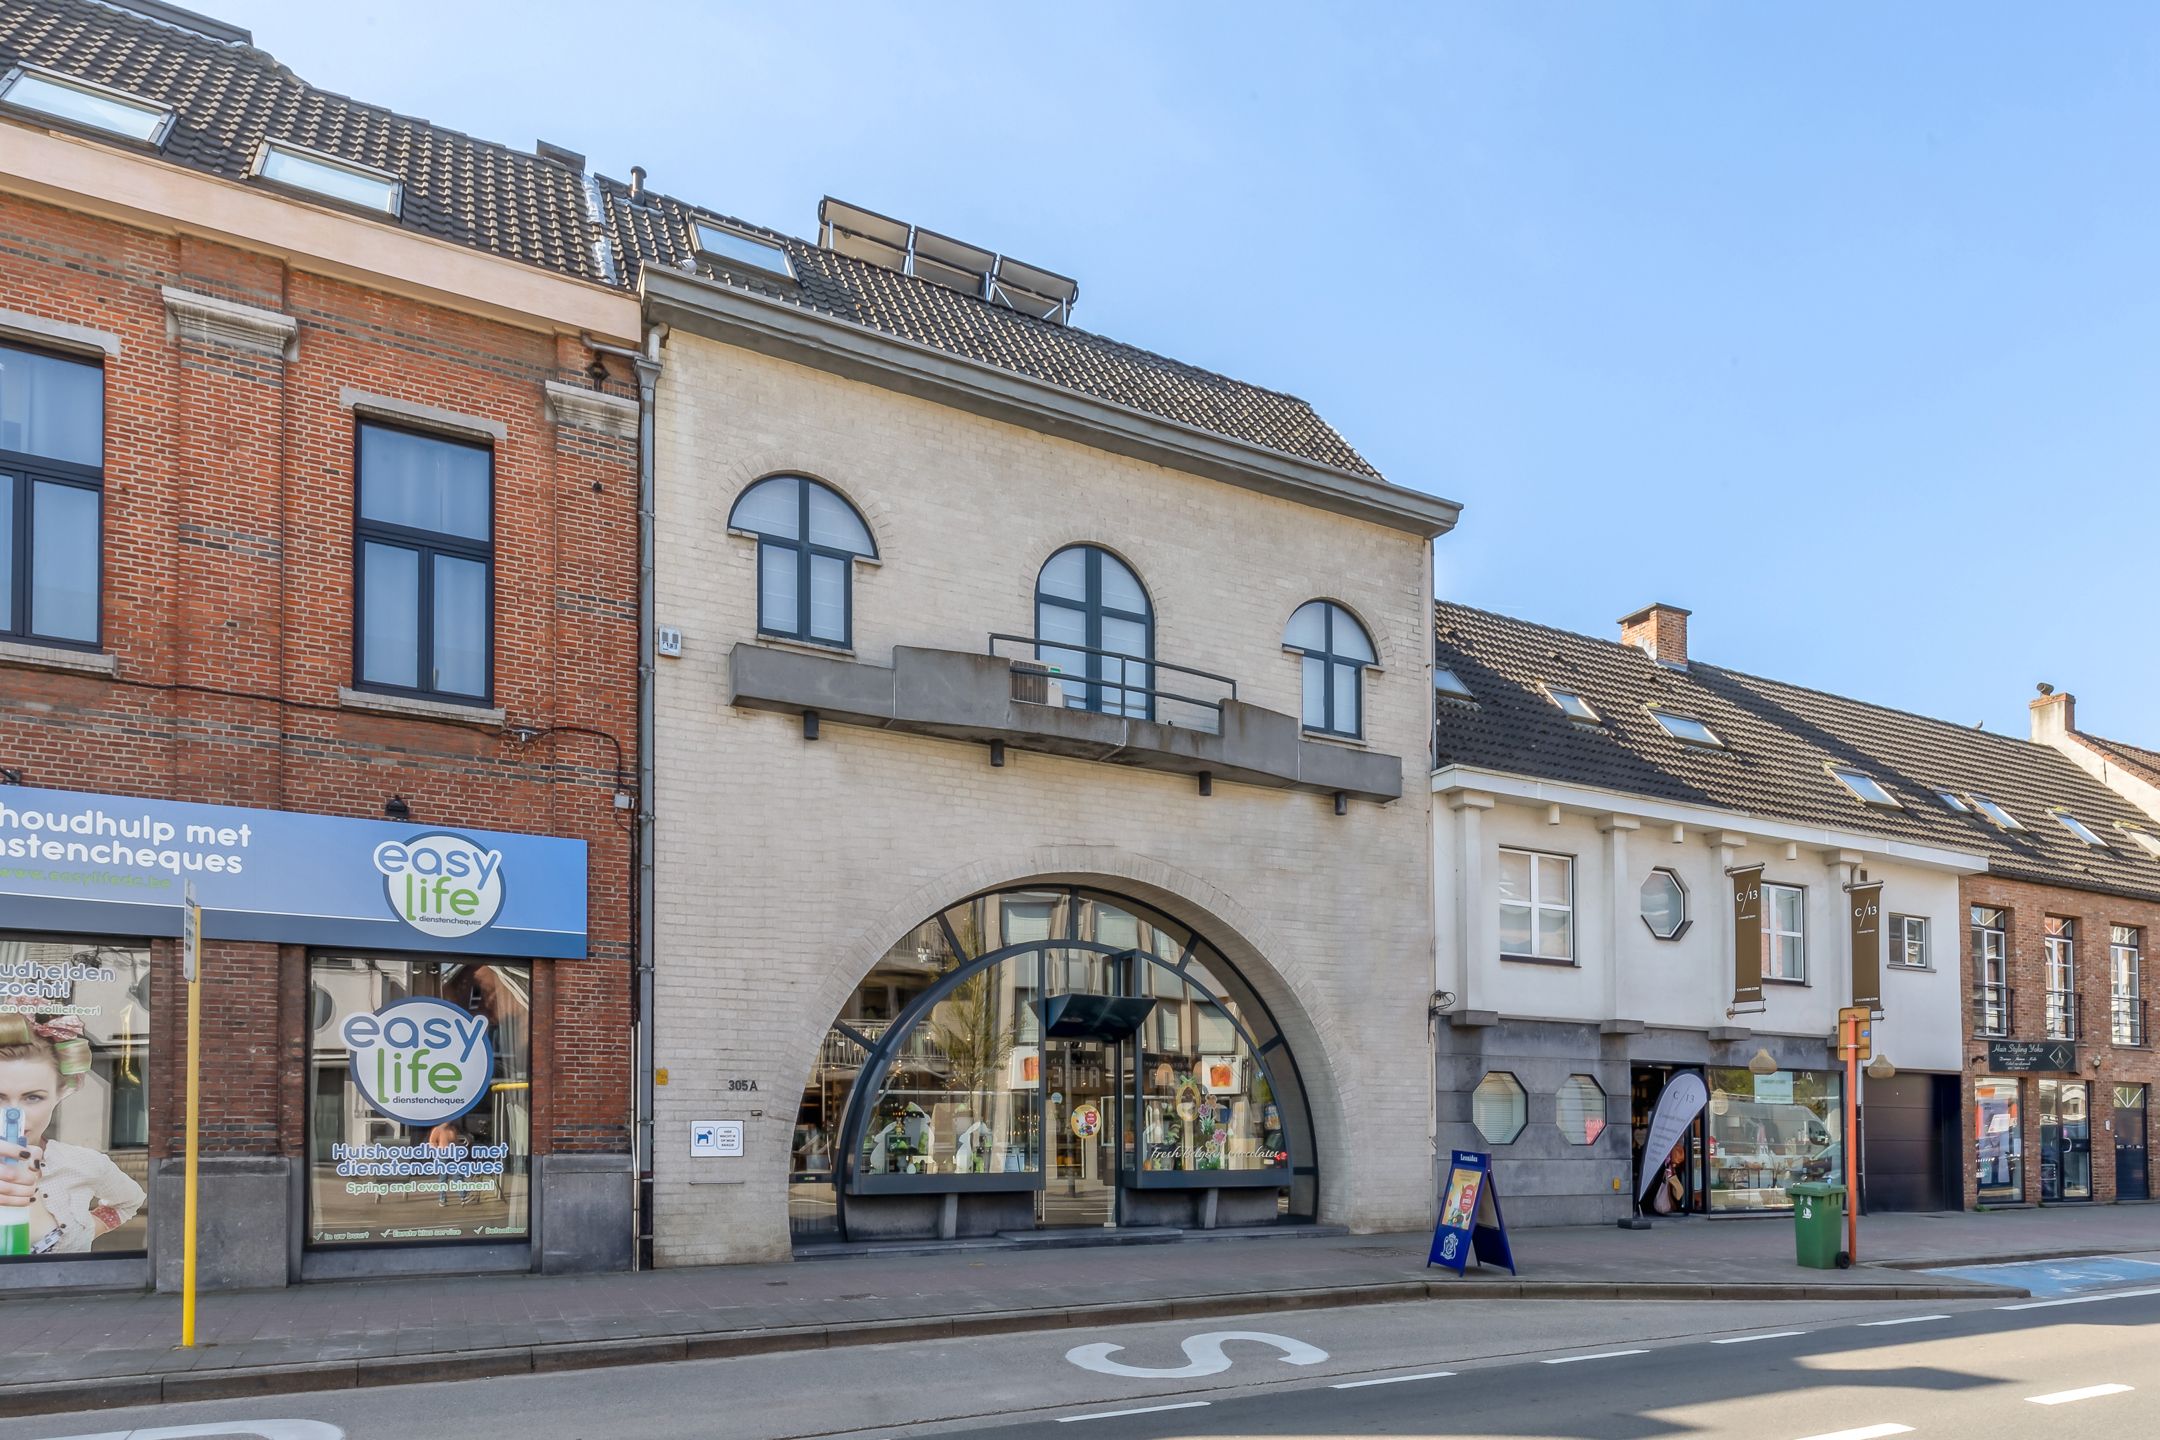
(114, 865)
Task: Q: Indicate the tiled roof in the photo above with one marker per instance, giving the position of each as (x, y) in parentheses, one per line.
(656, 229)
(2143, 763)
(1780, 741)
(229, 96)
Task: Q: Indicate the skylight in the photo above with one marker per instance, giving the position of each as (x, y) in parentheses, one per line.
(96, 107)
(2146, 840)
(296, 166)
(1447, 682)
(2080, 829)
(1687, 729)
(1866, 787)
(1576, 707)
(1996, 813)
(1951, 802)
(750, 251)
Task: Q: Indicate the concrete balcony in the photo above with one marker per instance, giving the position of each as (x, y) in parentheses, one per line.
(962, 695)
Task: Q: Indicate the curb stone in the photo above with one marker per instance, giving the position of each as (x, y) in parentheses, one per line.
(241, 1382)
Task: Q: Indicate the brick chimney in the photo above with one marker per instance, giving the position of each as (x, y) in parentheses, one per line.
(1659, 631)
(2054, 715)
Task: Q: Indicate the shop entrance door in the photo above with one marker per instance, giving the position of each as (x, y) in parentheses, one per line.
(2065, 1140)
(2132, 1180)
(1682, 1192)
(1083, 1081)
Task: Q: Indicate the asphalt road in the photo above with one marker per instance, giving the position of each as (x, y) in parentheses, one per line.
(1965, 1370)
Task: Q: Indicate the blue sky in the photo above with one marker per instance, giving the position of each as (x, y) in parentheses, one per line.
(1835, 324)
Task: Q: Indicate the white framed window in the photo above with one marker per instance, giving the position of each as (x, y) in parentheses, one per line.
(1499, 1107)
(1537, 907)
(2002, 818)
(1865, 786)
(296, 167)
(736, 247)
(1575, 707)
(1687, 730)
(1908, 942)
(76, 101)
(2126, 984)
(2080, 829)
(2058, 940)
(1991, 964)
(1784, 915)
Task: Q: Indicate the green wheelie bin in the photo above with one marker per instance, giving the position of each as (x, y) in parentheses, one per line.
(1818, 1211)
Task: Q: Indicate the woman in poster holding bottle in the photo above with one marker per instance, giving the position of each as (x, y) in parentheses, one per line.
(55, 1198)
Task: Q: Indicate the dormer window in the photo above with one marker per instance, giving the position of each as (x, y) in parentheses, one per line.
(1866, 787)
(80, 102)
(1577, 708)
(1447, 682)
(2080, 829)
(2002, 818)
(1687, 730)
(296, 167)
(749, 252)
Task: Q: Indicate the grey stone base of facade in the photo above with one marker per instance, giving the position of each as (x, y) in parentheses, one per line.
(585, 1220)
(1543, 1179)
(242, 1202)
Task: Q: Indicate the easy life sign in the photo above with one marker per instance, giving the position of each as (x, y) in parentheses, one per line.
(116, 865)
(420, 1061)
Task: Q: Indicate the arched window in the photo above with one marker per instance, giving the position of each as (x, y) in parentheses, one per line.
(808, 542)
(1087, 599)
(1336, 650)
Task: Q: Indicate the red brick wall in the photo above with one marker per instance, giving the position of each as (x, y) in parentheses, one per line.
(228, 579)
(2101, 1063)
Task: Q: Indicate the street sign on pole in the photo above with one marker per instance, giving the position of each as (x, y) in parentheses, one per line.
(191, 971)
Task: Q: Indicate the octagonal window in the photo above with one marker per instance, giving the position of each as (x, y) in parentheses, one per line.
(1499, 1108)
(1664, 904)
(1580, 1110)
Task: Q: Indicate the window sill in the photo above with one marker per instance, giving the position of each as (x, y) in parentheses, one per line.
(412, 708)
(806, 647)
(1328, 737)
(1541, 960)
(57, 657)
(1777, 980)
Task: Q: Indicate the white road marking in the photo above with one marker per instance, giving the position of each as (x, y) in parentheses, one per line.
(1601, 1355)
(1865, 1432)
(225, 1430)
(2064, 1397)
(2083, 1299)
(1392, 1380)
(1203, 1355)
(1143, 1410)
(1744, 1339)
(1901, 1320)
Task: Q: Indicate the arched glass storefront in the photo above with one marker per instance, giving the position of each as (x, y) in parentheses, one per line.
(1049, 1056)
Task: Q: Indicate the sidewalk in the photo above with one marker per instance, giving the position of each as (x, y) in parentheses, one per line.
(100, 1350)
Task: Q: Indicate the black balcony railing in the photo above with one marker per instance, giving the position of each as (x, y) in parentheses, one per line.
(2126, 1016)
(2064, 1015)
(1991, 1010)
(1051, 672)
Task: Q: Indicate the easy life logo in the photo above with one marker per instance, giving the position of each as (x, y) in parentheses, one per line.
(420, 1061)
(441, 884)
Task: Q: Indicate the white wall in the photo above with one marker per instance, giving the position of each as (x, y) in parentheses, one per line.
(1623, 972)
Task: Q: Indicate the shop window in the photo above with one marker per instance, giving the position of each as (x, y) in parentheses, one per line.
(1665, 905)
(52, 478)
(960, 1099)
(1537, 907)
(1998, 1142)
(1580, 1109)
(1908, 942)
(2065, 1139)
(419, 1101)
(1769, 1132)
(74, 1066)
(809, 539)
(425, 589)
(1785, 933)
(1499, 1108)
(1205, 1102)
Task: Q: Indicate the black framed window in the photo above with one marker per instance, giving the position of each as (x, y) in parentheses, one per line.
(809, 539)
(1087, 597)
(52, 483)
(1336, 651)
(424, 565)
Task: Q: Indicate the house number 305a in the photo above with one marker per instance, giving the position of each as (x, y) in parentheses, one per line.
(742, 1084)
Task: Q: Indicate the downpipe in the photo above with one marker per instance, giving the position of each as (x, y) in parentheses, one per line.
(647, 364)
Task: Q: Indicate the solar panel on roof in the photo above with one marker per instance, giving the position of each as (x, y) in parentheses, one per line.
(864, 234)
(1033, 290)
(955, 264)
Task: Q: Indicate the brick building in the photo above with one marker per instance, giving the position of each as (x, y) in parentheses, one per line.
(318, 509)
